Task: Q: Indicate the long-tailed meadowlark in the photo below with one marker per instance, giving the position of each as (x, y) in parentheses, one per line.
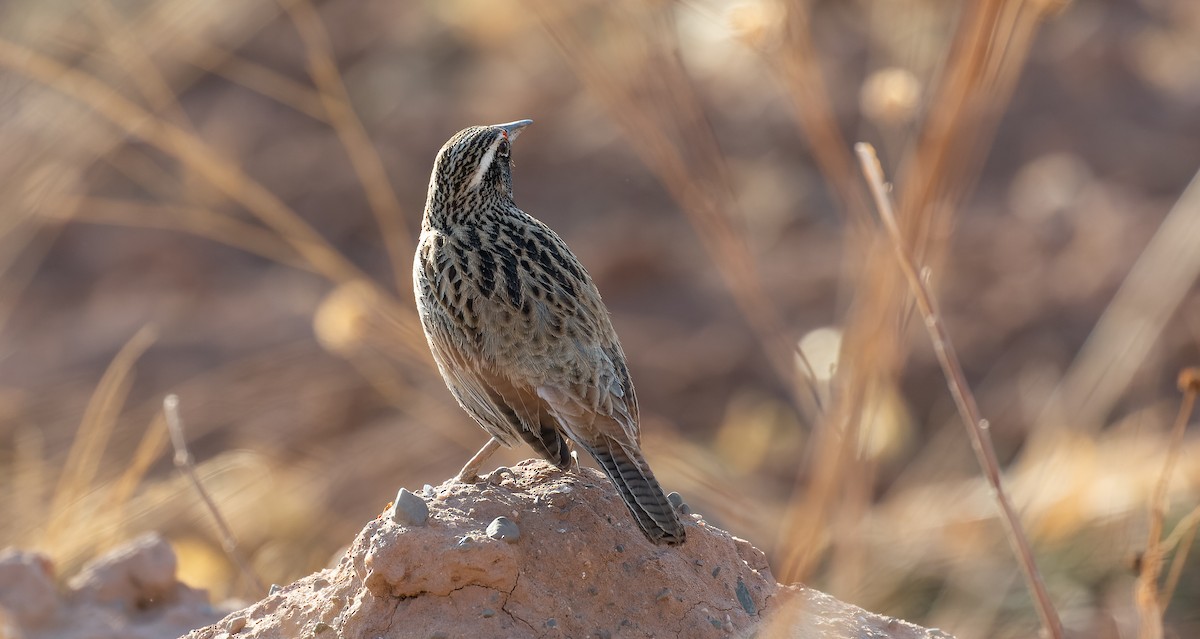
(518, 329)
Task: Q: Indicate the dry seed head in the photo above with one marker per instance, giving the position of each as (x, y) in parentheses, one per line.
(1189, 380)
(890, 96)
(756, 23)
(340, 322)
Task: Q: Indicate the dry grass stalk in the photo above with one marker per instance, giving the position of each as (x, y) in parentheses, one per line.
(665, 124)
(30, 478)
(197, 221)
(223, 175)
(258, 78)
(366, 161)
(82, 465)
(131, 59)
(187, 466)
(964, 400)
(989, 50)
(1180, 540)
(1129, 328)
(187, 148)
(120, 493)
(814, 111)
(1147, 599)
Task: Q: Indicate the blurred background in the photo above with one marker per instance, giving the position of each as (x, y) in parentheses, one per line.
(221, 200)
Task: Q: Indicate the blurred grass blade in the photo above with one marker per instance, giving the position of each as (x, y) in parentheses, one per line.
(99, 420)
(260, 79)
(188, 149)
(190, 219)
(365, 159)
(1164, 273)
(665, 124)
(989, 50)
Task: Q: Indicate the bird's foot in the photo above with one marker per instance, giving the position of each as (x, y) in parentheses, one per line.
(467, 477)
(470, 473)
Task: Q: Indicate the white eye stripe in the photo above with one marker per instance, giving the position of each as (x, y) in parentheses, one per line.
(484, 164)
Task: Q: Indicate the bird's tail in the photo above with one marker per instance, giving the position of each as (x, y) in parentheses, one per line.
(630, 473)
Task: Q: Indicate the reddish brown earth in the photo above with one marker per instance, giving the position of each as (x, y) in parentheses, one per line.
(568, 562)
(579, 568)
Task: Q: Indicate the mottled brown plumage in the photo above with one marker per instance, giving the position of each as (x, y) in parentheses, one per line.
(518, 329)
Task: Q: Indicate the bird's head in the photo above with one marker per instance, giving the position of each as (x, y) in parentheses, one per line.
(475, 163)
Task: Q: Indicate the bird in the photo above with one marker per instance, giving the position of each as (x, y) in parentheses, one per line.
(519, 332)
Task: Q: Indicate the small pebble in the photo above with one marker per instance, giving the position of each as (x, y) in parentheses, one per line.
(504, 529)
(319, 583)
(321, 627)
(235, 624)
(488, 613)
(409, 510)
(274, 589)
(716, 571)
(620, 548)
(551, 623)
(743, 597)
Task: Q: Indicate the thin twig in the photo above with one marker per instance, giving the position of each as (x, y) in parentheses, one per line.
(1180, 540)
(977, 427)
(187, 466)
(1146, 599)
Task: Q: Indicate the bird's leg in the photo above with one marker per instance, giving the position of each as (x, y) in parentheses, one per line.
(470, 473)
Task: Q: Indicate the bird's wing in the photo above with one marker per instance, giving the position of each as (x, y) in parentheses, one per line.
(600, 403)
(507, 409)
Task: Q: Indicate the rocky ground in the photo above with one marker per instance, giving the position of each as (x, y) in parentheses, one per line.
(131, 593)
(529, 551)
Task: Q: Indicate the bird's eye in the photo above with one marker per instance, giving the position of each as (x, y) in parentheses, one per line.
(502, 150)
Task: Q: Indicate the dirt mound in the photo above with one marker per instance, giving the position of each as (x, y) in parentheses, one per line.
(532, 551)
(131, 592)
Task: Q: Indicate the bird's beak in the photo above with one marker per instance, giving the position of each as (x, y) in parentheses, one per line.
(513, 129)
